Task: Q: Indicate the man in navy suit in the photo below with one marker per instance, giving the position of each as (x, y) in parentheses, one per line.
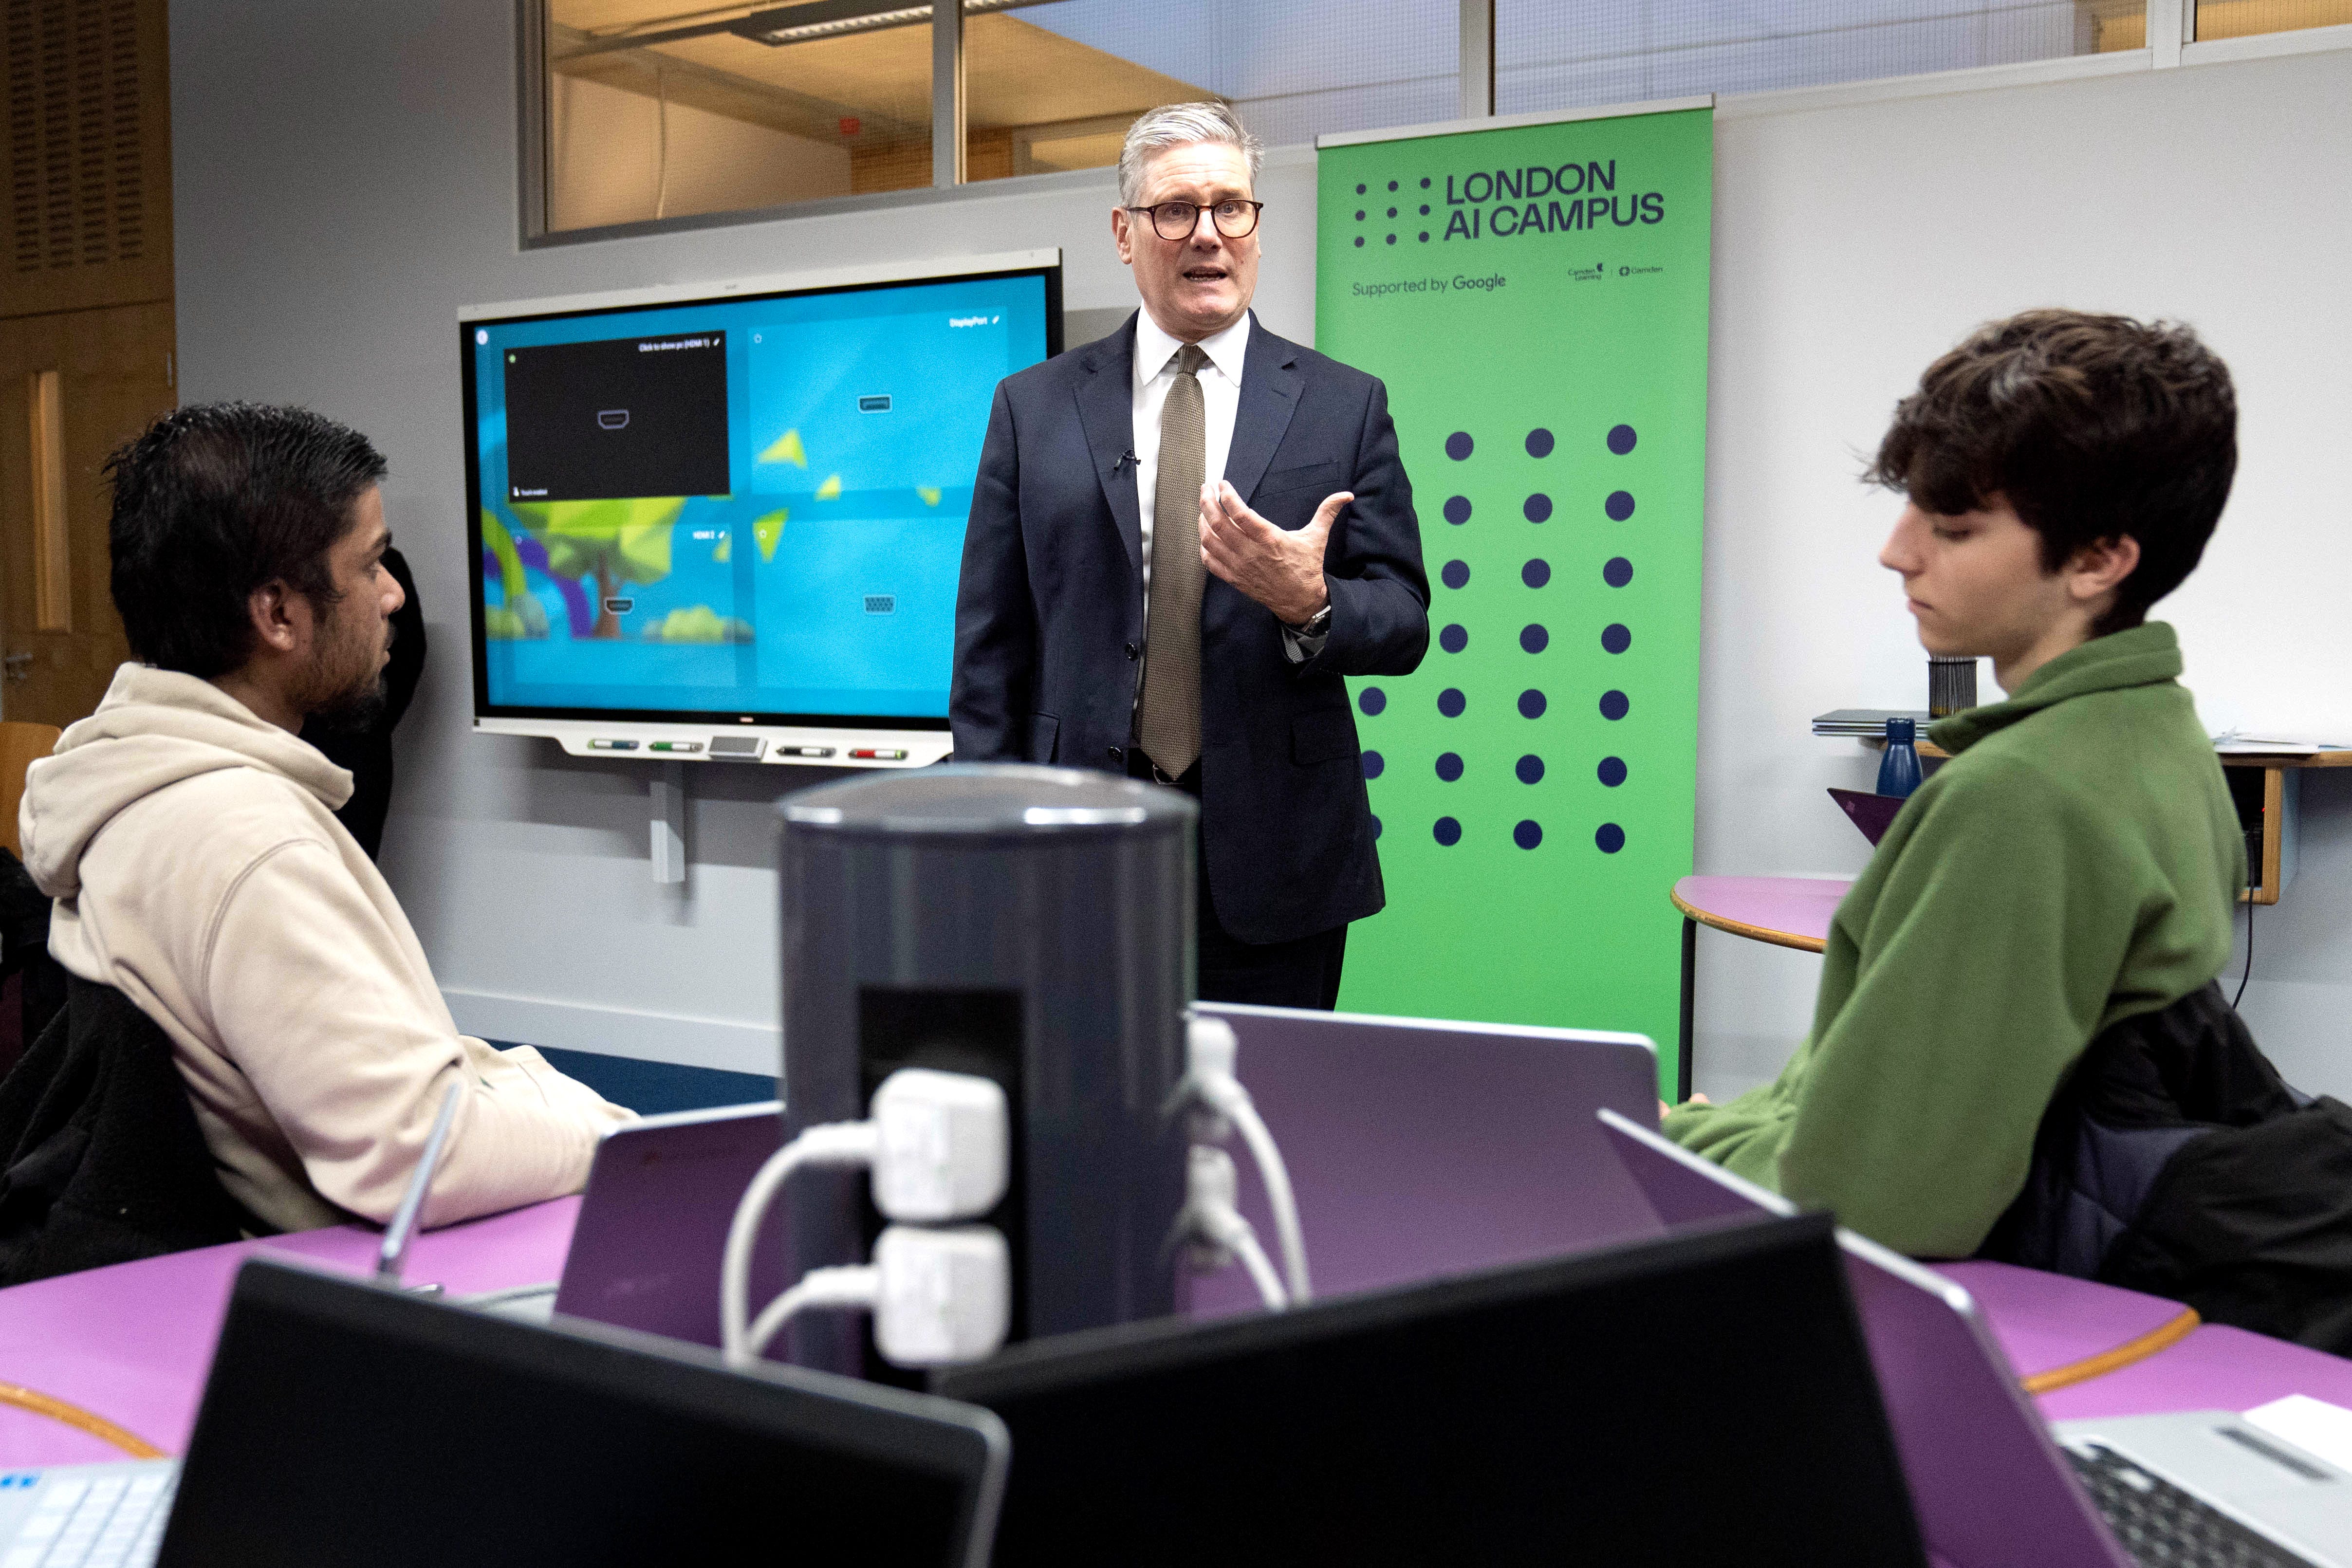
(1182, 536)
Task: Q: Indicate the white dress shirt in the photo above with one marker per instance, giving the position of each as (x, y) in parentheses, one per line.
(1220, 402)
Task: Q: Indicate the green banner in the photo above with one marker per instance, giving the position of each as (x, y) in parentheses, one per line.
(1536, 299)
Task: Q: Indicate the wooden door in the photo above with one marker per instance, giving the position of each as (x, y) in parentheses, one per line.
(73, 386)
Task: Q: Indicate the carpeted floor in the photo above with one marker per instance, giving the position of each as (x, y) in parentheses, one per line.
(650, 1088)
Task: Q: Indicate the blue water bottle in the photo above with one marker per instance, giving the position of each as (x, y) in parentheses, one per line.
(1899, 771)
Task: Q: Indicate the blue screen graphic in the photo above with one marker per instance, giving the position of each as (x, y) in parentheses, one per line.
(737, 507)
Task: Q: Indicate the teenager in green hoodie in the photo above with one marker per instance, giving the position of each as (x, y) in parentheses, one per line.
(2077, 861)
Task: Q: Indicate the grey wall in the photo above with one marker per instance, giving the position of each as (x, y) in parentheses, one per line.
(345, 180)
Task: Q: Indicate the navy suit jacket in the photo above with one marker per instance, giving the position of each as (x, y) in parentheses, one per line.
(1049, 615)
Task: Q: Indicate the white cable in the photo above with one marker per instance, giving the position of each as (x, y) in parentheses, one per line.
(1218, 1099)
(851, 1285)
(1275, 1176)
(941, 1296)
(833, 1144)
(1261, 1267)
(1210, 1217)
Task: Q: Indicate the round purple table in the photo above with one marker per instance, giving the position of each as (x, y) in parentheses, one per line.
(1786, 911)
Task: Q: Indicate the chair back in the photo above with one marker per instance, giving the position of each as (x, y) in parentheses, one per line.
(20, 746)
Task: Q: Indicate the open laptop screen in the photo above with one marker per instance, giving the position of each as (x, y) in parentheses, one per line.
(347, 1424)
(1986, 1482)
(1701, 1399)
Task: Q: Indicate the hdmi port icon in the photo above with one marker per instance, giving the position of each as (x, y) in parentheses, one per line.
(612, 418)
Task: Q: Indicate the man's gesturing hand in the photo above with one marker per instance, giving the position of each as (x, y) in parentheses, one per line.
(1281, 569)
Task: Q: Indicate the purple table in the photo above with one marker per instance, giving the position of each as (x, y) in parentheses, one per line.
(1786, 911)
(2059, 1332)
(131, 1343)
(2215, 1369)
(1417, 1149)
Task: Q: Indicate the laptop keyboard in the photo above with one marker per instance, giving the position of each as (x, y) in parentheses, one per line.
(113, 1521)
(2160, 1525)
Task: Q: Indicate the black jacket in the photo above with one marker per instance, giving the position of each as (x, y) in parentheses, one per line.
(1049, 615)
(100, 1158)
(2175, 1161)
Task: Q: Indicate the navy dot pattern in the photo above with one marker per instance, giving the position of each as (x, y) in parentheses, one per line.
(1614, 701)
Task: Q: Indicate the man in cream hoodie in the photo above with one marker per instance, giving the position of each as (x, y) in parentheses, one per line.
(189, 840)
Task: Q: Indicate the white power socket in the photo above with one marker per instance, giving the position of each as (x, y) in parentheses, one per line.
(942, 1146)
(942, 1296)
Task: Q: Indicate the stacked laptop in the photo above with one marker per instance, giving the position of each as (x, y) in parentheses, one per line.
(1868, 723)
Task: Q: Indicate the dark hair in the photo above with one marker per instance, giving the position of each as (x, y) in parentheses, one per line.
(2091, 427)
(213, 501)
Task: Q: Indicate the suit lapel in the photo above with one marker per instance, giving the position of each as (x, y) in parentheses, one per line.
(1270, 384)
(1107, 410)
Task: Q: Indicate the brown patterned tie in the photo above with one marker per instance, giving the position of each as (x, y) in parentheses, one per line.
(1170, 731)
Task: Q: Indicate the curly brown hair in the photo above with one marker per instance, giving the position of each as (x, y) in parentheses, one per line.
(2090, 427)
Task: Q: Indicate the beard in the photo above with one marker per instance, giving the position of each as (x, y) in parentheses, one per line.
(353, 711)
(345, 691)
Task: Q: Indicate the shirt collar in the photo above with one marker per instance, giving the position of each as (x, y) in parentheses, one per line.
(1154, 349)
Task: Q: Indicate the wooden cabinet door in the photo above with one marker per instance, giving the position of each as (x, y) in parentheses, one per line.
(73, 386)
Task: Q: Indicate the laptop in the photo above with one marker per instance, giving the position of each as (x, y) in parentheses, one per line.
(1873, 814)
(1374, 1115)
(1991, 1485)
(1702, 1398)
(349, 1423)
(653, 1222)
(645, 1249)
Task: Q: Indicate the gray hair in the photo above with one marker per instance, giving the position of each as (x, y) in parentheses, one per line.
(1181, 125)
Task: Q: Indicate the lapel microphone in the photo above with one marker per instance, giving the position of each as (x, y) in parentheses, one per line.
(1124, 459)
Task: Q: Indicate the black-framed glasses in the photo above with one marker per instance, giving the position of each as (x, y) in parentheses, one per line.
(1178, 220)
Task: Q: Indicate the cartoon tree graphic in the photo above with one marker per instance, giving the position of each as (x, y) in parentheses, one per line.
(616, 542)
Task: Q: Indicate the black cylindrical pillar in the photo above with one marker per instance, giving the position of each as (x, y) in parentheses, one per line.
(1033, 924)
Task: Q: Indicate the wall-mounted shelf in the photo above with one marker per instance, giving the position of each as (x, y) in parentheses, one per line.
(2272, 846)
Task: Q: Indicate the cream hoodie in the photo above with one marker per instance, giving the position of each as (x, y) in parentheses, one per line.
(199, 869)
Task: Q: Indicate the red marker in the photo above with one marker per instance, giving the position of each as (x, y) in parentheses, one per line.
(876, 754)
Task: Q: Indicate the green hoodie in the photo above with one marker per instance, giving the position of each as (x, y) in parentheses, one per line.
(2076, 863)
